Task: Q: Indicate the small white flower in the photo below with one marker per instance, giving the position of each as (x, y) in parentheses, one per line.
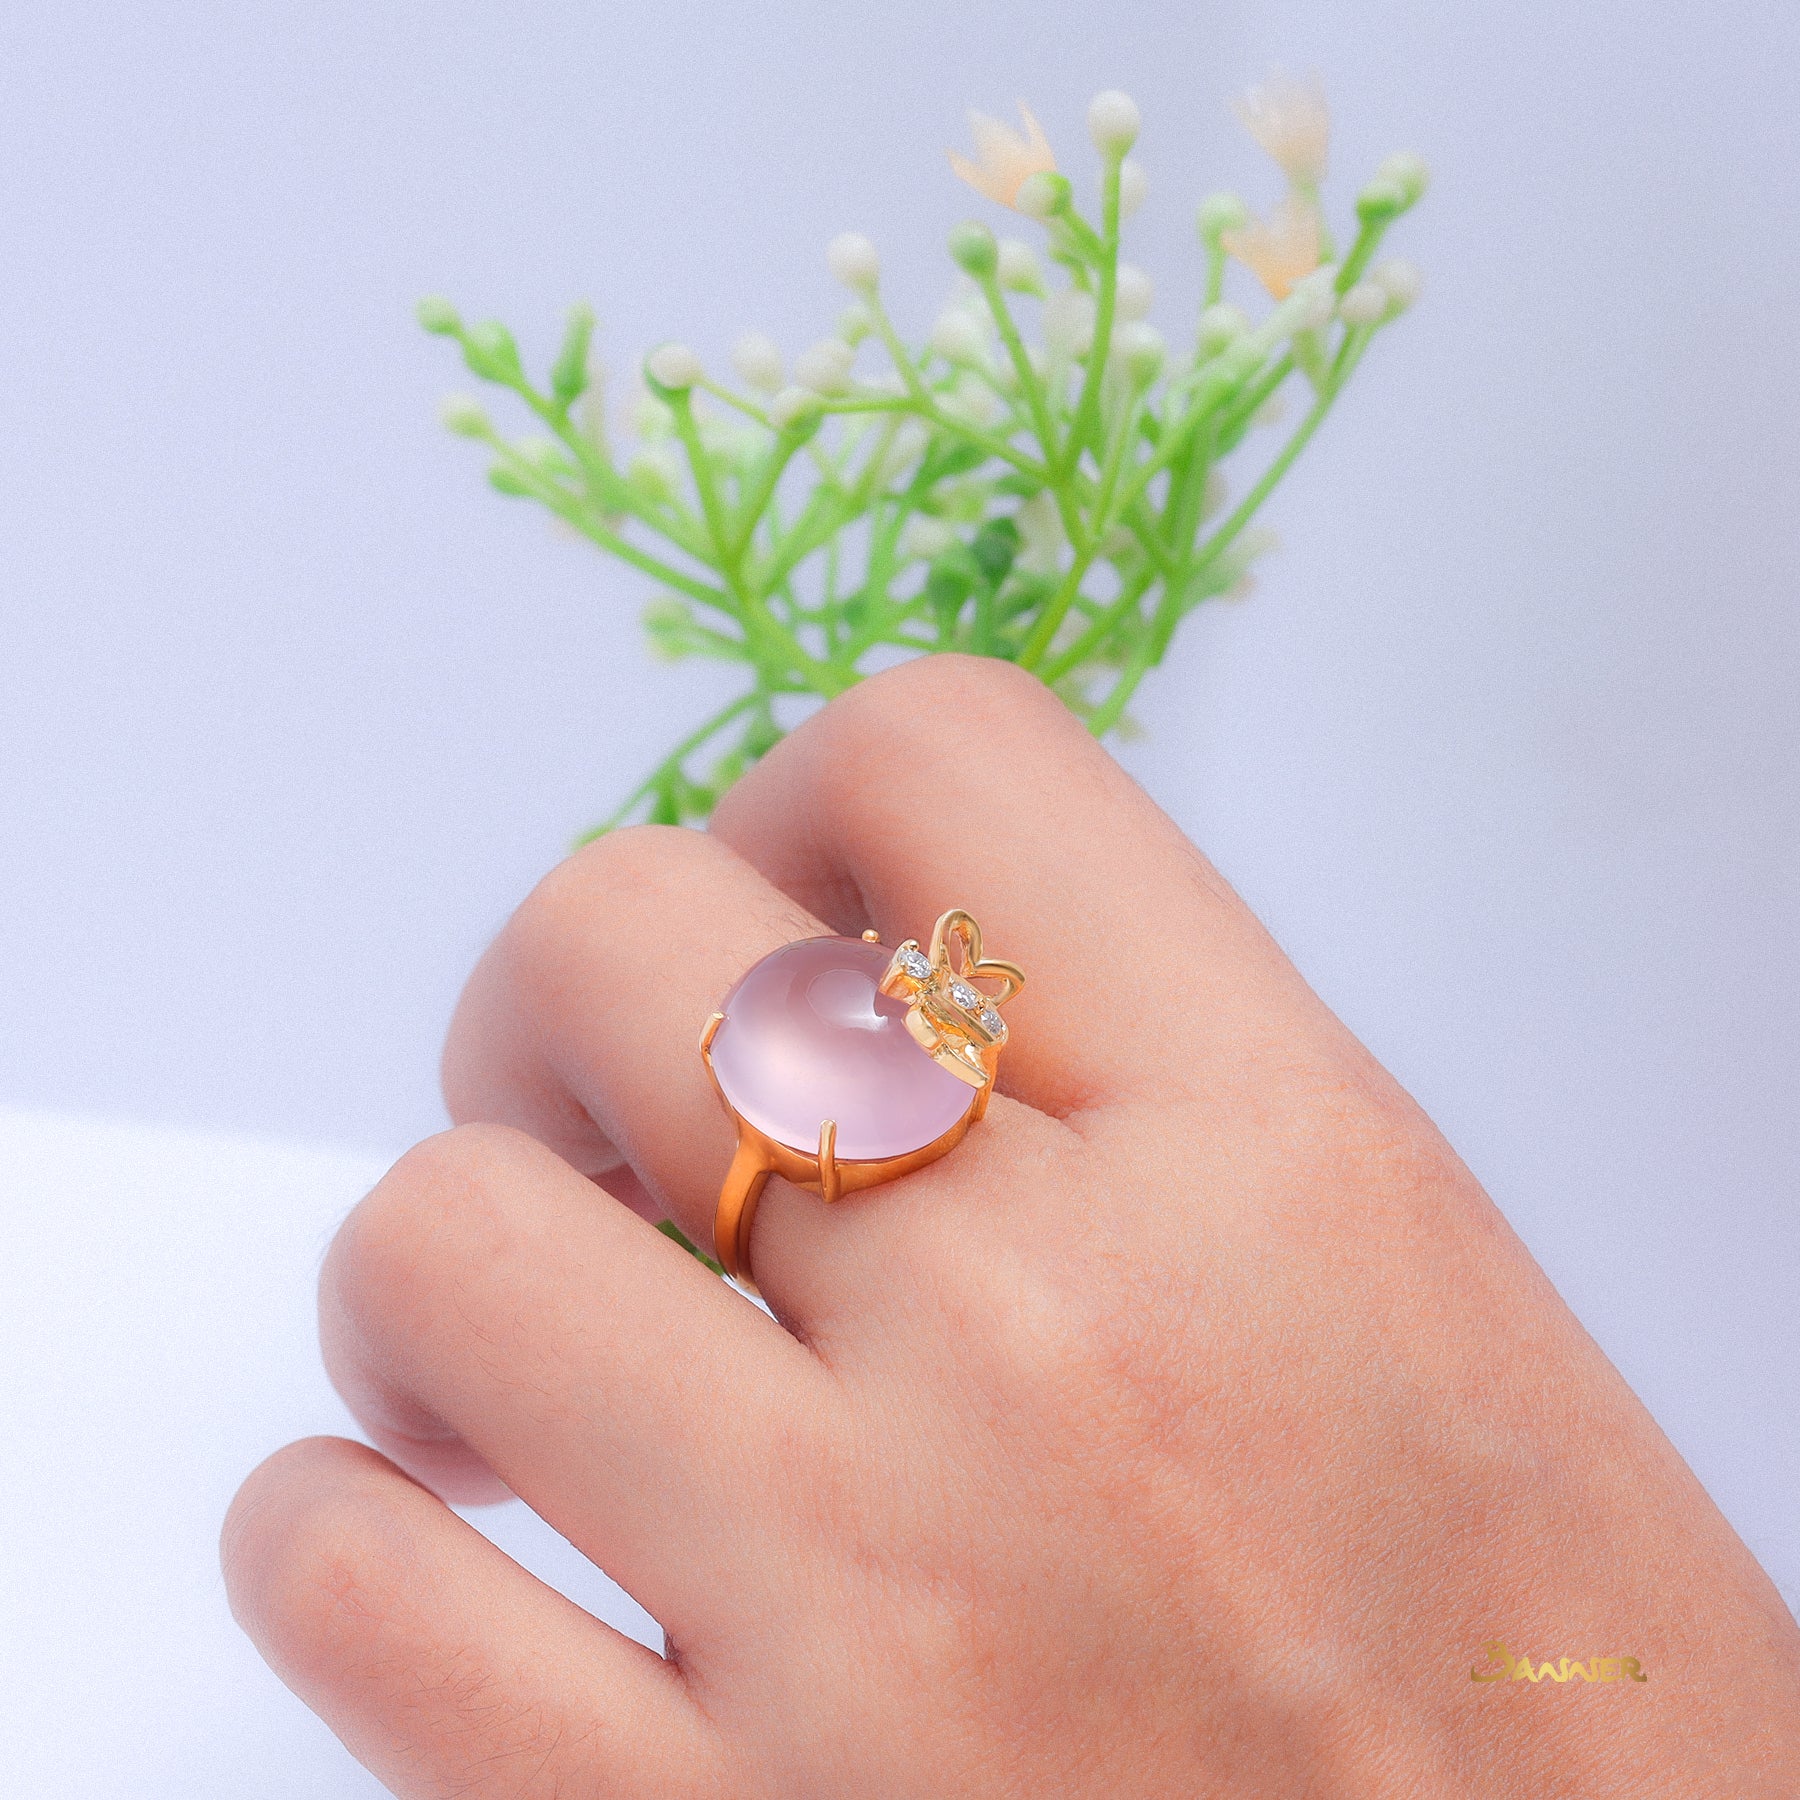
(958, 335)
(1112, 122)
(464, 415)
(1406, 172)
(1135, 294)
(1005, 160)
(1140, 349)
(1220, 213)
(1042, 195)
(1220, 325)
(1020, 269)
(790, 405)
(853, 260)
(1314, 300)
(825, 368)
(757, 359)
(1281, 250)
(1069, 322)
(1401, 279)
(923, 537)
(1291, 121)
(1365, 304)
(1271, 412)
(674, 366)
(1041, 537)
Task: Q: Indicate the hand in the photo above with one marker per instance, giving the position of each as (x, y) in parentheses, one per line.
(1188, 1431)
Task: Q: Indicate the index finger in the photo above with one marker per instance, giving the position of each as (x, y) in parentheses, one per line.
(963, 781)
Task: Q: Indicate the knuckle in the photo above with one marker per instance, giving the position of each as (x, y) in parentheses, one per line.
(637, 865)
(446, 1201)
(913, 700)
(302, 1552)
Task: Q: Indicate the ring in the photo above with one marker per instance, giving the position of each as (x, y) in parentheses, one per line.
(845, 1066)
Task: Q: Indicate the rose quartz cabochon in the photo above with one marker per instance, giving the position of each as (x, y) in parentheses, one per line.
(808, 1036)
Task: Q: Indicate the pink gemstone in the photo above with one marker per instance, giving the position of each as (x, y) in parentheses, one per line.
(807, 1036)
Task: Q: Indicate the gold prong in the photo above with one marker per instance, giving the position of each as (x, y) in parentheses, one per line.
(706, 1038)
(871, 936)
(829, 1184)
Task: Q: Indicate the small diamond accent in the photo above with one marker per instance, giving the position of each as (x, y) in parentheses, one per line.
(990, 1021)
(965, 996)
(915, 965)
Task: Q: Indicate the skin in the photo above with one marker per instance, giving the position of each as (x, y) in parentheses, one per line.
(1187, 1432)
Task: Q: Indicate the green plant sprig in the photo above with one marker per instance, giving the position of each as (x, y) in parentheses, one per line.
(1059, 505)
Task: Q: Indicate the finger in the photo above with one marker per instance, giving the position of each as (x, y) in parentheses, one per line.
(962, 781)
(444, 1666)
(581, 1024)
(487, 1306)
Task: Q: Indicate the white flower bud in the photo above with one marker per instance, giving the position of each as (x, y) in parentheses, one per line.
(1406, 172)
(1041, 537)
(1112, 121)
(1272, 411)
(1221, 213)
(1069, 322)
(1220, 325)
(825, 368)
(1020, 269)
(1043, 194)
(791, 405)
(1135, 293)
(1139, 348)
(1313, 300)
(757, 359)
(852, 260)
(1365, 304)
(923, 537)
(464, 415)
(958, 335)
(1134, 187)
(1401, 279)
(674, 366)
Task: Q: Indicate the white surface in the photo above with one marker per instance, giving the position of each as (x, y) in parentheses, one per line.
(156, 1333)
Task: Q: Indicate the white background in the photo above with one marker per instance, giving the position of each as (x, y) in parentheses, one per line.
(292, 709)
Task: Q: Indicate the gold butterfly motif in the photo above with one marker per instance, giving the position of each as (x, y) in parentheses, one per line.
(953, 1021)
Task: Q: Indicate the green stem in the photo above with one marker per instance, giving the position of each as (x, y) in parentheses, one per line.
(1088, 407)
(1029, 384)
(1222, 539)
(1102, 626)
(1043, 633)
